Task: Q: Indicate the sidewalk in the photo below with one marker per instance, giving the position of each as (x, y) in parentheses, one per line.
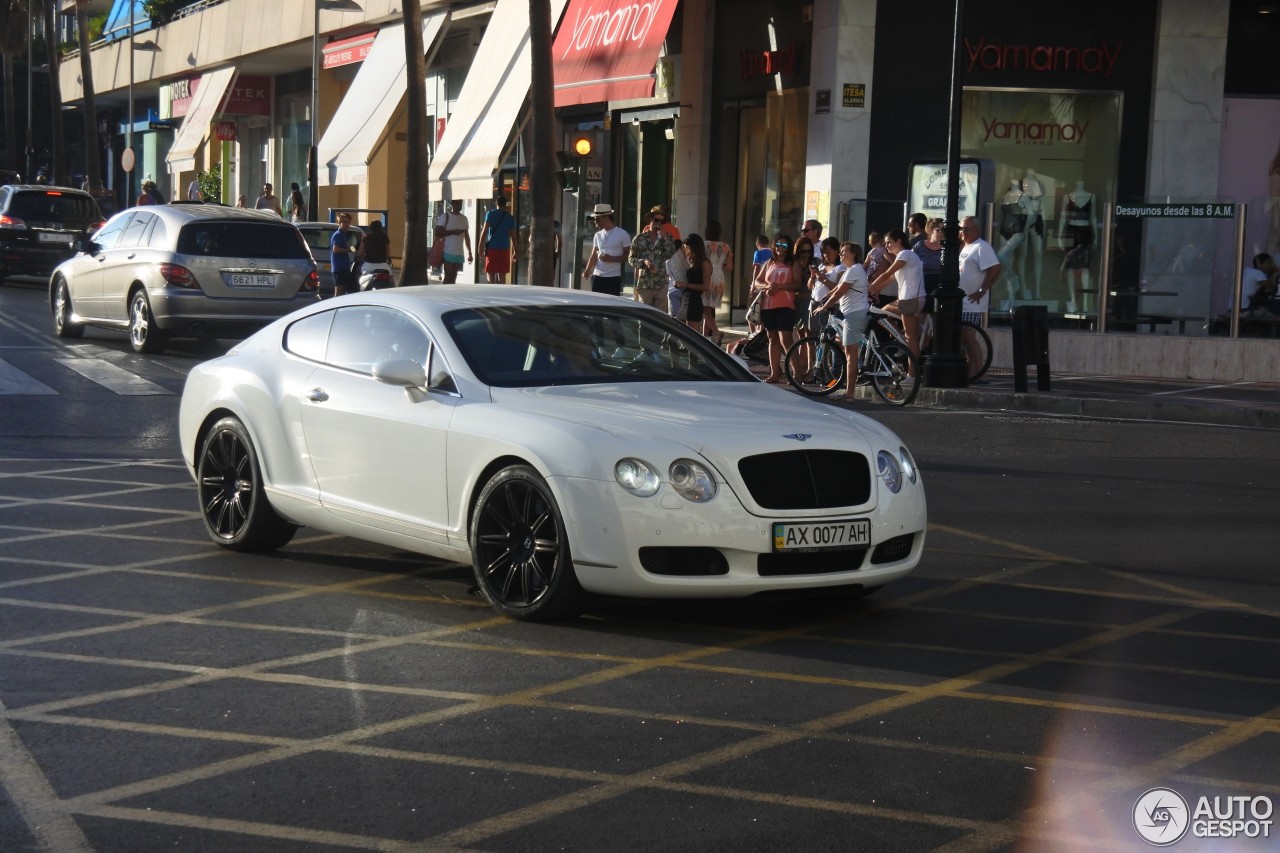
(1241, 404)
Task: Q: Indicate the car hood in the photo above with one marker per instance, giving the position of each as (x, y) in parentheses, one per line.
(711, 418)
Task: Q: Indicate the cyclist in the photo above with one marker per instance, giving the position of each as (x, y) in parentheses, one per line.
(847, 306)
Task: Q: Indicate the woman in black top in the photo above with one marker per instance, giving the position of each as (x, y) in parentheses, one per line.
(697, 280)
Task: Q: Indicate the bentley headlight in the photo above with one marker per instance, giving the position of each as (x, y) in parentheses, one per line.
(692, 481)
(890, 470)
(908, 464)
(637, 477)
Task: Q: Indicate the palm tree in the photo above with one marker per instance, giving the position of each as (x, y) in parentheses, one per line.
(414, 269)
(59, 164)
(542, 157)
(92, 162)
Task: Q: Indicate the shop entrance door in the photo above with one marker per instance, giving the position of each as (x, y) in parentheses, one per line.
(769, 195)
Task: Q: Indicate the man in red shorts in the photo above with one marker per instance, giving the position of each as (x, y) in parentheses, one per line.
(495, 236)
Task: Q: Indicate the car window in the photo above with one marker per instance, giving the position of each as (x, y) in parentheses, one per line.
(157, 234)
(309, 336)
(54, 207)
(318, 238)
(134, 232)
(111, 232)
(363, 335)
(530, 345)
(439, 377)
(242, 239)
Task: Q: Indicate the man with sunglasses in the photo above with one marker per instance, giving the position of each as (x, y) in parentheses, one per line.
(650, 251)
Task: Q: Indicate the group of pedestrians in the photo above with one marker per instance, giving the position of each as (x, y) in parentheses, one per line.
(684, 277)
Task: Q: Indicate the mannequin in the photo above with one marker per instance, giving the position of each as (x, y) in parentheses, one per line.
(1033, 203)
(1080, 223)
(1013, 223)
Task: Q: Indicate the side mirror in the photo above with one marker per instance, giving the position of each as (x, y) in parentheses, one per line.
(404, 372)
(85, 246)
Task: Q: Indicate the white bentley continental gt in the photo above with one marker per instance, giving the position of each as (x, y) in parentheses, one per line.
(562, 443)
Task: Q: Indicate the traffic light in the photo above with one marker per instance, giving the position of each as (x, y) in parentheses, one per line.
(573, 163)
(567, 174)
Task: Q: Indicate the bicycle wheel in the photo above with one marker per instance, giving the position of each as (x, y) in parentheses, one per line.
(978, 365)
(894, 374)
(814, 367)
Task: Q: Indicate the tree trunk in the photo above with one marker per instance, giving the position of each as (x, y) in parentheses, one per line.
(543, 186)
(10, 123)
(92, 160)
(416, 207)
(59, 153)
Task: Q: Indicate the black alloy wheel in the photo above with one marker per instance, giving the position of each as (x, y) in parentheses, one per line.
(233, 503)
(520, 551)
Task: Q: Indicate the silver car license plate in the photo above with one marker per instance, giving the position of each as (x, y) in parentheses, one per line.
(251, 280)
(822, 536)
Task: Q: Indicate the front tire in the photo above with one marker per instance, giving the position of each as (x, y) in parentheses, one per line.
(144, 336)
(814, 367)
(520, 550)
(233, 502)
(896, 376)
(63, 324)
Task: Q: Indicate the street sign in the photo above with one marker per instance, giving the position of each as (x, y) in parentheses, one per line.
(126, 160)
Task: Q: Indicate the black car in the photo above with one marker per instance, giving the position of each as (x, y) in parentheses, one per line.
(38, 225)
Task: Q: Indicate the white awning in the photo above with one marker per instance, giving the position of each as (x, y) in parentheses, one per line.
(205, 106)
(360, 125)
(477, 134)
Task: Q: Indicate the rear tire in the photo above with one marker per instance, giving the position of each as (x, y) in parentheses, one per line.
(233, 502)
(144, 336)
(63, 324)
(980, 358)
(899, 385)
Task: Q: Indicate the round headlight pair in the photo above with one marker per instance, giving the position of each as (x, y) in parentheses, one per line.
(689, 478)
(894, 470)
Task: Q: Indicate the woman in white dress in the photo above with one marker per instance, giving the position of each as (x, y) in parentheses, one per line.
(721, 258)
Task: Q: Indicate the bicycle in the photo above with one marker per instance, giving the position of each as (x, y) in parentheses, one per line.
(975, 345)
(883, 358)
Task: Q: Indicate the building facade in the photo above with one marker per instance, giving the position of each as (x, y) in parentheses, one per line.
(1125, 157)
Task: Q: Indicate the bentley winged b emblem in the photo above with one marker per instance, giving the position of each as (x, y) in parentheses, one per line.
(799, 436)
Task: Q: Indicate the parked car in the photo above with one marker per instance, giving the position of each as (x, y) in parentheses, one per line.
(317, 235)
(39, 224)
(162, 271)
(562, 443)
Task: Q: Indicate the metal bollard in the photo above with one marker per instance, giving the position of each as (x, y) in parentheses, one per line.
(1030, 346)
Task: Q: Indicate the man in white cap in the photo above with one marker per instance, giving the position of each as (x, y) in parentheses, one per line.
(609, 249)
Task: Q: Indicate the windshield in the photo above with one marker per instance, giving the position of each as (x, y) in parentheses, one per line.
(517, 346)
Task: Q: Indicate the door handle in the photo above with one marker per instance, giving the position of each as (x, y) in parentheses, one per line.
(317, 395)
(132, 255)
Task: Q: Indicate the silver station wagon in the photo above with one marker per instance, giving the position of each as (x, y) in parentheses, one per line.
(162, 271)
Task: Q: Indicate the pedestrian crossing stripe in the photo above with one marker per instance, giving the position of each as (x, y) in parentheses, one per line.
(116, 379)
(14, 381)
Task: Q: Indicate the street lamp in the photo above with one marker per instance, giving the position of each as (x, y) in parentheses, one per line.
(945, 367)
(313, 165)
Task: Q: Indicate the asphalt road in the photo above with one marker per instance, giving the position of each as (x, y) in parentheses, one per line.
(1097, 615)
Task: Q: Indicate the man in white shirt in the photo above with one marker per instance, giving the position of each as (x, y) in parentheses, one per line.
(1257, 276)
(453, 228)
(193, 190)
(609, 249)
(979, 271)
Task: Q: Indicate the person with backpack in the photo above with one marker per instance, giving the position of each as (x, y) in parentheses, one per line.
(495, 236)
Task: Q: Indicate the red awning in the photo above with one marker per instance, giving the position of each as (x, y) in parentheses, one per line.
(606, 50)
(348, 50)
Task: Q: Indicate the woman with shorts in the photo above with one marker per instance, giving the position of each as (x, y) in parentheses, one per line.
(849, 297)
(777, 285)
(907, 270)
